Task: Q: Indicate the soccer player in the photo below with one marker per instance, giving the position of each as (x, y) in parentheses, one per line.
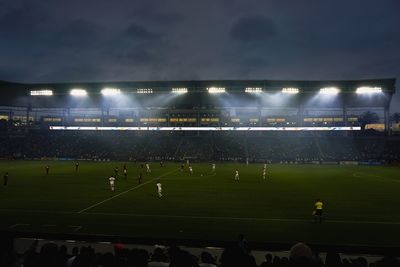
(76, 166)
(264, 173)
(318, 210)
(237, 175)
(5, 179)
(190, 170)
(159, 189)
(182, 167)
(112, 182)
(116, 171)
(47, 169)
(265, 165)
(140, 178)
(213, 167)
(148, 168)
(125, 173)
(187, 162)
(161, 164)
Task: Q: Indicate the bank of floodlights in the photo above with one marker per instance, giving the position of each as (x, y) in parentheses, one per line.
(329, 90)
(45, 92)
(110, 91)
(77, 92)
(179, 90)
(216, 90)
(144, 91)
(253, 90)
(368, 90)
(290, 90)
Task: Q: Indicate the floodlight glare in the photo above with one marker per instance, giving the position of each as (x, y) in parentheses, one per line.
(329, 90)
(216, 90)
(253, 90)
(368, 90)
(78, 92)
(290, 90)
(110, 91)
(179, 90)
(45, 92)
(144, 91)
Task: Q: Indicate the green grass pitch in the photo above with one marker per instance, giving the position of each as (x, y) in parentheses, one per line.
(362, 203)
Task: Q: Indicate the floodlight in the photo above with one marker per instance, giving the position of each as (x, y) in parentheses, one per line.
(45, 92)
(216, 90)
(329, 90)
(78, 92)
(179, 90)
(144, 91)
(289, 90)
(253, 90)
(368, 90)
(110, 91)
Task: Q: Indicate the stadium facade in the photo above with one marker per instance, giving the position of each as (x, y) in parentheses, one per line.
(213, 103)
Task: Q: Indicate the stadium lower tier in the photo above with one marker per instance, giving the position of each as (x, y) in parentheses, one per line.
(301, 147)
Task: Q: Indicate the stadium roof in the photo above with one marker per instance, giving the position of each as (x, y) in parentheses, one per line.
(349, 86)
(12, 93)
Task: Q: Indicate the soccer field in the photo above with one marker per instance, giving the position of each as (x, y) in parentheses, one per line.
(362, 203)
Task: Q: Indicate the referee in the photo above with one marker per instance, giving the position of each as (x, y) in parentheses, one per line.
(318, 206)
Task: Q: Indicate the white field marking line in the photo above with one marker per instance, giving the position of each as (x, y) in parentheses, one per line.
(202, 217)
(75, 227)
(360, 175)
(126, 191)
(18, 224)
(238, 218)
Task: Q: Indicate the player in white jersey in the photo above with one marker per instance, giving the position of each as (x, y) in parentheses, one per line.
(112, 182)
(213, 167)
(159, 189)
(264, 173)
(237, 175)
(190, 170)
(187, 162)
(148, 168)
(265, 165)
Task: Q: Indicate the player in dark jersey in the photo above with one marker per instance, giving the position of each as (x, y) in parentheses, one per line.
(116, 172)
(5, 179)
(182, 167)
(76, 166)
(140, 178)
(161, 164)
(47, 168)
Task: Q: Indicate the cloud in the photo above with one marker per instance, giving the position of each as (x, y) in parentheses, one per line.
(139, 32)
(253, 30)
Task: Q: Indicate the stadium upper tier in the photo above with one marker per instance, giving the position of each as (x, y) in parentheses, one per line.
(200, 94)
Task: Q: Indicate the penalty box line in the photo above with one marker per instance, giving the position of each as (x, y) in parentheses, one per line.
(126, 191)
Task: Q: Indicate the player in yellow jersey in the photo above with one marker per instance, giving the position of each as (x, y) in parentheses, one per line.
(318, 206)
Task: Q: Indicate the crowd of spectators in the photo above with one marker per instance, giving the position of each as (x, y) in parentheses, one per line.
(216, 146)
(235, 255)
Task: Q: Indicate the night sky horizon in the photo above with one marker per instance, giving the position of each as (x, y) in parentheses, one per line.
(98, 40)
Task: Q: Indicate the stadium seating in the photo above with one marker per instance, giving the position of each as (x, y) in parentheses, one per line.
(275, 147)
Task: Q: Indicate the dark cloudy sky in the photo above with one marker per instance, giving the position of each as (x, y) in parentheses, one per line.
(99, 40)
